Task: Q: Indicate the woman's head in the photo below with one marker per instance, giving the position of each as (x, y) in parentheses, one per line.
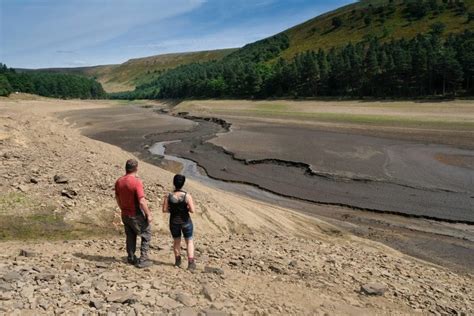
(178, 181)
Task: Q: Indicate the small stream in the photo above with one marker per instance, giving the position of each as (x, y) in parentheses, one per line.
(192, 171)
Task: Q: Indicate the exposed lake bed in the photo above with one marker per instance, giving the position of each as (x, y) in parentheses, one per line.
(256, 152)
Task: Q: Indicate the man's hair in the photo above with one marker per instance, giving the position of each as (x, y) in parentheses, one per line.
(131, 165)
(178, 181)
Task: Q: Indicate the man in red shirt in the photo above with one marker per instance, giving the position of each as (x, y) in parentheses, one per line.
(136, 215)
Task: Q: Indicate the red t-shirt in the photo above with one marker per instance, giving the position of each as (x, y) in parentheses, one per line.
(129, 191)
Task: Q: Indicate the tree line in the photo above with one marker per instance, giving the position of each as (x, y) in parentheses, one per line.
(49, 84)
(426, 65)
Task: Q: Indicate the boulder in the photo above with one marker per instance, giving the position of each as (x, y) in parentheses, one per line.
(210, 293)
(97, 304)
(374, 288)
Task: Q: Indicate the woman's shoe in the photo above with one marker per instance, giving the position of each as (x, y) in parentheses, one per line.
(192, 265)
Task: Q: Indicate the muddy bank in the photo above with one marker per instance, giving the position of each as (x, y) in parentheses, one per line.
(450, 245)
(441, 197)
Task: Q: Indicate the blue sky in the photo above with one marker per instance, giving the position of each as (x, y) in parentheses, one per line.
(74, 33)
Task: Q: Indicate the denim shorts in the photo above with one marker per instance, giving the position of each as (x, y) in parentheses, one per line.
(186, 230)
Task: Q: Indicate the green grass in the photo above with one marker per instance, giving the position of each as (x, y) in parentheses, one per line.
(45, 226)
(22, 218)
(361, 119)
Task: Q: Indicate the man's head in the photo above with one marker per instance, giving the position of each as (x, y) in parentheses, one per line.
(178, 181)
(131, 166)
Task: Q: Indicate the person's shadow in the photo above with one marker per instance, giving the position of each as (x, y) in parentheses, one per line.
(110, 260)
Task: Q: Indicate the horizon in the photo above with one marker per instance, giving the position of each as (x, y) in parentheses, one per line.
(104, 33)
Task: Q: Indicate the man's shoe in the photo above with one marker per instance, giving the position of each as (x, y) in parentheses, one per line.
(177, 262)
(132, 260)
(141, 264)
(192, 265)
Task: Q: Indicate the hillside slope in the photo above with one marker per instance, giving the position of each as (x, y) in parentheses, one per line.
(384, 20)
(376, 18)
(124, 77)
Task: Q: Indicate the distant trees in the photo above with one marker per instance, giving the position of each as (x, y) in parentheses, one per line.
(5, 87)
(367, 20)
(470, 17)
(49, 84)
(425, 65)
(336, 22)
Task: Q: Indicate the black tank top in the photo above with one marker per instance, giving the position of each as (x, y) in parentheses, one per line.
(178, 208)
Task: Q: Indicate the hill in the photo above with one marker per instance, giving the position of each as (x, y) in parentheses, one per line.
(411, 48)
(124, 77)
(384, 19)
(368, 20)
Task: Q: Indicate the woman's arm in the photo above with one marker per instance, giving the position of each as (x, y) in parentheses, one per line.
(191, 208)
(165, 204)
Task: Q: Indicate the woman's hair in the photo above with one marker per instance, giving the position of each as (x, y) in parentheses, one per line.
(178, 181)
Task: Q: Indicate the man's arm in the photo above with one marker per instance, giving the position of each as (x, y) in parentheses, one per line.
(118, 201)
(143, 203)
(117, 197)
(165, 204)
(144, 207)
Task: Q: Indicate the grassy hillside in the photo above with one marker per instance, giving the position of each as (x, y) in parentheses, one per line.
(387, 21)
(124, 77)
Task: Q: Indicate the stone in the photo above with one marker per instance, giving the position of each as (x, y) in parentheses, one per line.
(293, 264)
(67, 266)
(122, 297)
(213, 312)
(185, 299)
(11, 276)
(374, 288)
(27, 292)
(210, 293)
(214, 270)
(102, 265)
(167, 303)
(5, 287)
(6, 296)
(156, 285)
(100, 285)
(60, 179)
(34, 180)
(97, 304)
(23, 188)
(27, 253)
(45, 277)
(69, 193)
(188, 312)
(276, 269)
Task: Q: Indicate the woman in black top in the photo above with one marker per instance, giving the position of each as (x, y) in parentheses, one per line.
(180, 204)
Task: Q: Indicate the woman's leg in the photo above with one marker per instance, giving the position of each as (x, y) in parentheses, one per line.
(190, 248)
(177, 247)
